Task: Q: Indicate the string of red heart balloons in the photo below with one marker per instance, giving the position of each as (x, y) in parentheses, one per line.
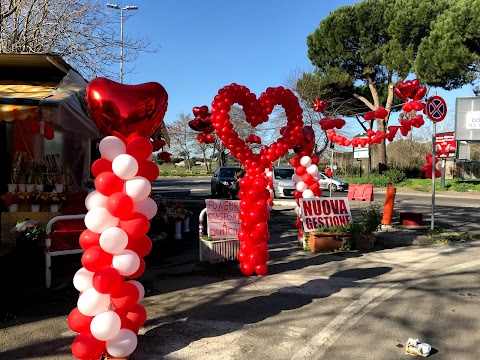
(108, 314)
(254, 193)
(404, 90)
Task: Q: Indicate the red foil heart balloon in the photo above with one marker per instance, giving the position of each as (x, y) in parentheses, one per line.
(126, 109)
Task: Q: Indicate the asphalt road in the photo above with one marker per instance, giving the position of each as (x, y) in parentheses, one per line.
(200, 187)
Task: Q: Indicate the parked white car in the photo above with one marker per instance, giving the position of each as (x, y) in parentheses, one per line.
(337, 184)
(283, 184)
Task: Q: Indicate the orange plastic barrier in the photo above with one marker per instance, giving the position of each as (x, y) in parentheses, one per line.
(388, 207)
(360, 192)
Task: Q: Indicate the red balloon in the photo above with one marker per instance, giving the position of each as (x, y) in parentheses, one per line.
(86, 346)
(79, 322)
(101, 165)
(120, 205)
(126, 323)
(261, 269)
(88, 239)
(308, 179)
(126, 108)
(95, 257)
(419, 93)
(135, 225)
(300, 170)
(140, 148)
(107, 183)
(141, 245)
(158, 144)
(107, 279)
(148, 169)
(137, 314)
(315, 159)
(126, 296)
(381, 113)
(140, 271)
(247, 268)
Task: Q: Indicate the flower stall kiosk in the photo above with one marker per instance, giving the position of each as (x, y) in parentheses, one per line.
(45, 137)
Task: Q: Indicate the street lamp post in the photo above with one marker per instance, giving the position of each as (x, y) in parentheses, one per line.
(113, 6)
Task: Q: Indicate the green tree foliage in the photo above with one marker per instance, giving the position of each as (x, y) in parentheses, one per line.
(361, 51)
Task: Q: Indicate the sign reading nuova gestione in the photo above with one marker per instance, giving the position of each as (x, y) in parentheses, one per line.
(324, 212)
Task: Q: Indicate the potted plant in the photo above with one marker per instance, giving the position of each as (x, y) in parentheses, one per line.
(55, 200)
(328, 239)
(35, 198)
(371, 220)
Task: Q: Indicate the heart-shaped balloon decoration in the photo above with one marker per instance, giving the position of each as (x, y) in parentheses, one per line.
(256, 111)
(126, 109)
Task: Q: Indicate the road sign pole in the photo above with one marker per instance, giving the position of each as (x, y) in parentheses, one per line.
(434, 159)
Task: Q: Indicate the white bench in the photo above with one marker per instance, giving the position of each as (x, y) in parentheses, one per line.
(50, 251)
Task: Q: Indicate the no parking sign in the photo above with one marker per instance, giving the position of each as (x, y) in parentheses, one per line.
(436, 108)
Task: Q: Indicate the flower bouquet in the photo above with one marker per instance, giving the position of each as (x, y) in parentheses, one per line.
(11, 200)
(55, 200)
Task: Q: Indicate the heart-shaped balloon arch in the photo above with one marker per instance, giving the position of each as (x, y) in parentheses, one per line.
(108, 314)
(254, 193)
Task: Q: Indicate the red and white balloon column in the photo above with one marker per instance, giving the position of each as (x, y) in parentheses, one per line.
(108, 313)
(306, 174)
(253, 194)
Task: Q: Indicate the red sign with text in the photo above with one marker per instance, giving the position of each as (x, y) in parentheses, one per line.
(445, 146)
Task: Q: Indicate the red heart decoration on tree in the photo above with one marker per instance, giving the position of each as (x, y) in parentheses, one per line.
(369, 115)
(419, 93)
(256, 111)
(381, 113)
(126, 108)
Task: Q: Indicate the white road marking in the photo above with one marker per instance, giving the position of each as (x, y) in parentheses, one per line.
(319, 344)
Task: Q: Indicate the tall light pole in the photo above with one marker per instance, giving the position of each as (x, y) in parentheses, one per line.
(113, 6)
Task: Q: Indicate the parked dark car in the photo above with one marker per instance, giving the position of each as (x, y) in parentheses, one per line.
(222, 180)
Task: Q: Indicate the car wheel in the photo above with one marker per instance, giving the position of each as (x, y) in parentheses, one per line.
(334, 187)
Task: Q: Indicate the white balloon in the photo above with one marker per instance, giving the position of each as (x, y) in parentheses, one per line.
(312, 169)
(296, 178)
(113, 240)
(138, 188)
(92, 303)
(297, 210)
(111, 146)
(122, 345)
(272, 193)
(126, 262)
(99, 219)
(316, 176)
(106, 325)
(125, 166)
(147, 207)
(95, 199)
(82, 280)
(308, 194)
(305, 161)
(141, 289)
(269, 174)
(301, 186)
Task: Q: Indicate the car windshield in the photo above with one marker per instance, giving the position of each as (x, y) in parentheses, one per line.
(284, 174)
(228, 173)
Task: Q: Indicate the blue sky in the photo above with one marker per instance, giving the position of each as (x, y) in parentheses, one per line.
(205, 45)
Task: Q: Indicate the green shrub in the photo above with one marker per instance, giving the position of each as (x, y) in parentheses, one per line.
(395, 176)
